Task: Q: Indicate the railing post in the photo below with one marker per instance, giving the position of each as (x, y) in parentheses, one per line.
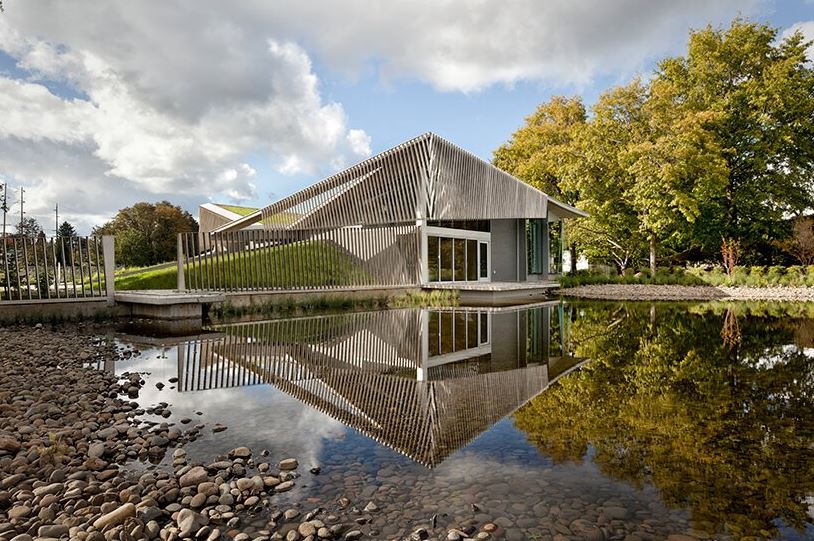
(181, 281)
(109, 255)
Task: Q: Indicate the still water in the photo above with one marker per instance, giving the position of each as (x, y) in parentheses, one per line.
(581, 420)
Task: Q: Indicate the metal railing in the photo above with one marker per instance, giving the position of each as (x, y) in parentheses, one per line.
(263, 260)
(41, 269)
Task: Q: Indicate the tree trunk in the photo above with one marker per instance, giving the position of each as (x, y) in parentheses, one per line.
(652, 254)
(573, 250)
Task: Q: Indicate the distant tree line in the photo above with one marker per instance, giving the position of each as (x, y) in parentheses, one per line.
(147, 233)
(712, 155)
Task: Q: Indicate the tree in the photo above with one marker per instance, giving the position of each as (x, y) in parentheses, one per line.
(801, 242)
(759, 93)
(540, 151)
(29, 227)
(66, 230)
(147, 233)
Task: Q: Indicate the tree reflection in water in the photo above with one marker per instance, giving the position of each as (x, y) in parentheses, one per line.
(712, 404)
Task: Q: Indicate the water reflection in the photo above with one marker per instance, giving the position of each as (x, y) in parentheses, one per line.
(713, 405)
(422, 382)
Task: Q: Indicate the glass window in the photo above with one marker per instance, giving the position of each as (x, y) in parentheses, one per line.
(447, 332)
(433, 334)
(471, 260)
(432, 258)
(484, 328)
(446, 260)
(484, 260)
(460, 260)
(471, 330)
(460, 331)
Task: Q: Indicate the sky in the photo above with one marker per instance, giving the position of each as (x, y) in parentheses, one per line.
(104, 104)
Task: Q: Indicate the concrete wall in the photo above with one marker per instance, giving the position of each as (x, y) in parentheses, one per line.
(508, 251)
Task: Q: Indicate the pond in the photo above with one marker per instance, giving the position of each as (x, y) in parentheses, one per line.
(565, 420)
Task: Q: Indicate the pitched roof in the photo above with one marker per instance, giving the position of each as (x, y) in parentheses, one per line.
(424, 178)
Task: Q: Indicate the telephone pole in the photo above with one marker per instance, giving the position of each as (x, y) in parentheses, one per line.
(5, 209)
(56, 220)
(22, 213)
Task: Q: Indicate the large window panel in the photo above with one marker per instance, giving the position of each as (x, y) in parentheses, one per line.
(459, 273)
(446, 260)
(432, 259)
(471, 260)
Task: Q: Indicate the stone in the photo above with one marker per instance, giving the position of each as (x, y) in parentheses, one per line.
(240, 452)
(284, 486)
(289, 464)
(115, 517)
(306, 529)
(355, 534)
(52, 530)
(19, 511)
(9, 444)
(371, 507)
(96, 450)
(194, 477)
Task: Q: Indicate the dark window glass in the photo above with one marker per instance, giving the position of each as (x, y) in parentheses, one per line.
(432, 258)
(471, 330)
(433, 334)
(471, 260)
(460, 261)
(446, 260)
(484, 328)
(446, 332)
(484, 260)
(460, 331)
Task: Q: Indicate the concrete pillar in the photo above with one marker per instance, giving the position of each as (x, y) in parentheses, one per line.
(109, 255)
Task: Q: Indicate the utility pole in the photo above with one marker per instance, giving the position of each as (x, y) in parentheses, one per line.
(56, 220)
(5, 209)
(5, 245)
(22, 213)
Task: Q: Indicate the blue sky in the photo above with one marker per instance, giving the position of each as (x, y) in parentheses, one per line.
(243, 104)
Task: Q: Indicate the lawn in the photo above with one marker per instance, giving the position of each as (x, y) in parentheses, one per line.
(293, 266)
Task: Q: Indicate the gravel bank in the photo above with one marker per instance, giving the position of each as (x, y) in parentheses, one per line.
(685, 293)
(74, 451)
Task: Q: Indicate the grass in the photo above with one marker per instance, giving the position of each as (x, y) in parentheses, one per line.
(316, 264)
(755, 276)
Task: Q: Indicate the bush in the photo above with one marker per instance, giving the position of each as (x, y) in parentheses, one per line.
(757, 276)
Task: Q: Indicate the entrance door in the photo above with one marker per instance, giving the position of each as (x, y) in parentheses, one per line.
(484, 264)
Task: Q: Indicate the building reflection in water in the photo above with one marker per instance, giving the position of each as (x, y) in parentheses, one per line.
(422, 382)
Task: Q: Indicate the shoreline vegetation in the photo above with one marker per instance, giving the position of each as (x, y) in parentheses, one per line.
(673, 292)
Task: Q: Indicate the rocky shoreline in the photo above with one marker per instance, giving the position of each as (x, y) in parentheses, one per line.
(643, 292)
(73, 450)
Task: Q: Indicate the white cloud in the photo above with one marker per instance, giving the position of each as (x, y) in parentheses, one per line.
(164, 108)
(806, 28)
(171, 98)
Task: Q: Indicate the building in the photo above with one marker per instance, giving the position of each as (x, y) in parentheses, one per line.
(425, 212)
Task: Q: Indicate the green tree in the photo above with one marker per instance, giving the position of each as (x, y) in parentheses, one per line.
(29, 227)
(66, 230)
(147, 233)
(759, 94)
(540, 152)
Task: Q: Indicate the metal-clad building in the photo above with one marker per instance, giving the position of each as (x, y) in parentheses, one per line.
(424, 211)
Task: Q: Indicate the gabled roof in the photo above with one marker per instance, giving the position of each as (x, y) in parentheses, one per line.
(424, 178)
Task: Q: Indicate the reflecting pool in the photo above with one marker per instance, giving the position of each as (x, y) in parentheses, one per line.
(581, 420)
